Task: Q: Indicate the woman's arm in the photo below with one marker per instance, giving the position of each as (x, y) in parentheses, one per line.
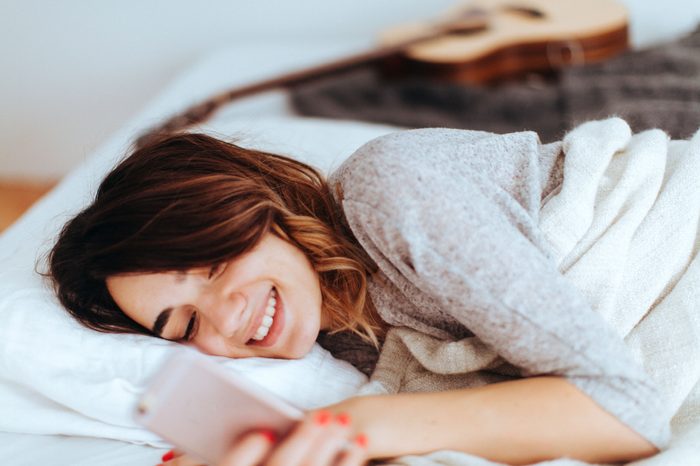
(514, 422)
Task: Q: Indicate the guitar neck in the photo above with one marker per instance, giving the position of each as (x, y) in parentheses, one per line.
(314, 72)
(471, 21)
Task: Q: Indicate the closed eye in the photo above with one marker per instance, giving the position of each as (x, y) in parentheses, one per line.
(189, 332)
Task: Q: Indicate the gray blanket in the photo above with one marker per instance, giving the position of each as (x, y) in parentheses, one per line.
(654, 88)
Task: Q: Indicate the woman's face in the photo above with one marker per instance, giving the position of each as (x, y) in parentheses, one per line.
(266, 303)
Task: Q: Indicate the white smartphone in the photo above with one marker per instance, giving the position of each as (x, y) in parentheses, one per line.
(201, 407)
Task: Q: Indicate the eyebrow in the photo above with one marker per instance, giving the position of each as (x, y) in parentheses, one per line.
(161, 320)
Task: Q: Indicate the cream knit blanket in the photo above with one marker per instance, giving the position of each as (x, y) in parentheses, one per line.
(623, 228)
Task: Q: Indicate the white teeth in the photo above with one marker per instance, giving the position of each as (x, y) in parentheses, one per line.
(261, 333)
(267, 319)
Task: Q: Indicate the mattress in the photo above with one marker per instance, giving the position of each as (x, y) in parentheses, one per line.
(59, 450)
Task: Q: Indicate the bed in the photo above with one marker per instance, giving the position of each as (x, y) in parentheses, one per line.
(43, 353)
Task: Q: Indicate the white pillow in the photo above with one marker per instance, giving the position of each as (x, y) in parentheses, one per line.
(57, 377)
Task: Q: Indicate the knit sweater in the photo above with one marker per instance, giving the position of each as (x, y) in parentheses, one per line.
(454, 232)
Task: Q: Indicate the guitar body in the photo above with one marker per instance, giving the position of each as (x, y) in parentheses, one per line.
(520, 36)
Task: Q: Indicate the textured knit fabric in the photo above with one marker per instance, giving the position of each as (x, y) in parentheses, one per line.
(452, 219)
(658, 87)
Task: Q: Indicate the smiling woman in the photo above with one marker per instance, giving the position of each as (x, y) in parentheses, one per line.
(425, 242)
(267, 302)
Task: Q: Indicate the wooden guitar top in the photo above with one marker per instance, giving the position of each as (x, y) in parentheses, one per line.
(513, 22)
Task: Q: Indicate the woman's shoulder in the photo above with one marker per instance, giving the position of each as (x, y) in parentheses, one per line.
(400, 152)
(409, 142)
(416, 155)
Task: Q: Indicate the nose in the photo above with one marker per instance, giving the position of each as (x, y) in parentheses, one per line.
(226, 313)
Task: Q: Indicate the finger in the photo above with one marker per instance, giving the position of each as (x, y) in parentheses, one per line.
(183, 460)
(300, 444)
(331, 443)
(355, 453)
(249, 450)
(169, 455)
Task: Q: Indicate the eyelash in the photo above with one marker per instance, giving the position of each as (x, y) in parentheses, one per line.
(189, 332)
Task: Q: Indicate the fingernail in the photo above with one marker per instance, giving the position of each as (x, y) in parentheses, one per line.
(269, 435)
(322, 417)
(168, 456)
(361, 440)
(343, 419)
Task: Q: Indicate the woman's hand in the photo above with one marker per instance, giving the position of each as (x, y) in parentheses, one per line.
(320, 439)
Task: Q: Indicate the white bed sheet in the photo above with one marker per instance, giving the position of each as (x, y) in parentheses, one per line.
(59, 450)
(222, 69)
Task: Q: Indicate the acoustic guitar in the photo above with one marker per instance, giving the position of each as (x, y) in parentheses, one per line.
(476, 42)
(518, 37)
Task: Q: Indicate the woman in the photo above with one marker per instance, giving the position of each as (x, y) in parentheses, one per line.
(242, 253)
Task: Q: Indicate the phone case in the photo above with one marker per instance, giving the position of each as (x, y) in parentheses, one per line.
(201, 407)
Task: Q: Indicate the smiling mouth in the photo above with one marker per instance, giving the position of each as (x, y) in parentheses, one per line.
(271, 323)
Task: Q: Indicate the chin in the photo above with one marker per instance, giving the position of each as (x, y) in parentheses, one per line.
(301, 350)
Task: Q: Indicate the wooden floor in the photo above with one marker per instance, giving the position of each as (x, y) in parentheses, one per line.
(18, 196)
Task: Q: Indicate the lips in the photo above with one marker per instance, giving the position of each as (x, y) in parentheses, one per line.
(276, 329)
(258, 317)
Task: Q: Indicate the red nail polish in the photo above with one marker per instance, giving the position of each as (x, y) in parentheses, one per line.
(168, 456)
(269, 435)
(343, 419)
(361, 440)
(322, 417)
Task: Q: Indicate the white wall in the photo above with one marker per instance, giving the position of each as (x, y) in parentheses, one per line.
(72, 71)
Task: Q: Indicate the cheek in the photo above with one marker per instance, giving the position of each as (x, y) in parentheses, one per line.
(211, 346)
(311, 279)
(208, 342)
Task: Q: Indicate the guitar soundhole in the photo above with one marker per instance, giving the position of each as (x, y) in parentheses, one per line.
(526, 11)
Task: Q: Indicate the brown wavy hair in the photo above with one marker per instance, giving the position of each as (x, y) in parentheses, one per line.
(191, 200)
